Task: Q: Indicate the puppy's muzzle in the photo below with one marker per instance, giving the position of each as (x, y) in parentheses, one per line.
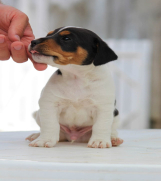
(35, 42)
(33, 46)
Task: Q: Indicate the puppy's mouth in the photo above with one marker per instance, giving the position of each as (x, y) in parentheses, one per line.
(41, 57)
(34, 52)
(37, 53)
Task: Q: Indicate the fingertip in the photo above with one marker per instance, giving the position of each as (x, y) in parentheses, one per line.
(19, 53)
(1, 35)
(16, 45)
(39, 66)
(13, 37)
(17, 37)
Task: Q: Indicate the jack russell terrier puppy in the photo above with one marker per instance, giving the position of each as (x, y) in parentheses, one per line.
(78, 101)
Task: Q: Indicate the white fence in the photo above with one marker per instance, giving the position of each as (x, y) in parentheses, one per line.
(132, 77)
(21, 84)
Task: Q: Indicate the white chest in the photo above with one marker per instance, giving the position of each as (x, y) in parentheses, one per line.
(80, 113)
(73, 89)
(78, 97)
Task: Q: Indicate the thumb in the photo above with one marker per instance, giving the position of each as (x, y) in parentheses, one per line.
(17, 27)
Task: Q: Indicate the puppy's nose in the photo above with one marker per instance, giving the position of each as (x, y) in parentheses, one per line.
(34, 43)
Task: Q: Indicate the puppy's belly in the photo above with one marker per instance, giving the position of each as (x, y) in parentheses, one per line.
(76, 120)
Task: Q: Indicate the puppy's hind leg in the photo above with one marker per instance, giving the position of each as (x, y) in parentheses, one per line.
(115, 140)
(34, 135)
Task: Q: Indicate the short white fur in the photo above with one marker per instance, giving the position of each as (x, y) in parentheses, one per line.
(81, 96)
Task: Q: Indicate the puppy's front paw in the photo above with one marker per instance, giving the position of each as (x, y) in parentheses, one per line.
(99, 143)
(116, 141)
(40, 142)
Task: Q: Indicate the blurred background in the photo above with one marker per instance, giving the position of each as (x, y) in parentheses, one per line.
(132, 28)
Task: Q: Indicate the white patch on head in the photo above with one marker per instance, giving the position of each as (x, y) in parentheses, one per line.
(67, 27)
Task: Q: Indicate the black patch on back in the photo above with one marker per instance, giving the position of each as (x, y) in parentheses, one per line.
(59, 72)
(116, 112)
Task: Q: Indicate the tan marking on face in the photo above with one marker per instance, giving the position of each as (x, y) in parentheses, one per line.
(69, 58)
(51, 48)
(51, 32)
(64, 33)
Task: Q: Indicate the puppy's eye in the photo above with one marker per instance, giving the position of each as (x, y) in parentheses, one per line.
(66, 38)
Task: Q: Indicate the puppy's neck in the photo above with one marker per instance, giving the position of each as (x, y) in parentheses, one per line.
(84, 72)
(76, 71)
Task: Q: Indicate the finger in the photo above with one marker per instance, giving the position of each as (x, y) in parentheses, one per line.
(39, 66)
(18, 24)
(4, 51)
(18, 52)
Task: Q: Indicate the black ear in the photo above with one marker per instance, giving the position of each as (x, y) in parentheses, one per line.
(104, 53)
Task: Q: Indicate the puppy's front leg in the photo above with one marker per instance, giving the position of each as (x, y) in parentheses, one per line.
(49, 124)
(101, 130)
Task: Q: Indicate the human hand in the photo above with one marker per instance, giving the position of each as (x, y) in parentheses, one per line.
(15, 36)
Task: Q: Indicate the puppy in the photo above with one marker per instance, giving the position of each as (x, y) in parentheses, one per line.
(78, 101)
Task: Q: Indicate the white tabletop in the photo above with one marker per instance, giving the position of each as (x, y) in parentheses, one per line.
(138, 157)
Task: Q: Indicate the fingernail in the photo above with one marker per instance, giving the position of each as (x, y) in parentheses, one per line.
(18, 47)
(1, 40)
(17, 37)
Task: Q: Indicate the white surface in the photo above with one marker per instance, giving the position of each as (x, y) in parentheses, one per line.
(138, 158)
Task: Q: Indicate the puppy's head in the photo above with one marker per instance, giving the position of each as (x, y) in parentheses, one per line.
(71, 45)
